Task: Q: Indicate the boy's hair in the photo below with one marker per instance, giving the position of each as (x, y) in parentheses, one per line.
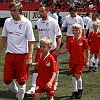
(17, 4)
(45, 6)
(47, 41)
(95, 23)
(72, 8)
(77, 26)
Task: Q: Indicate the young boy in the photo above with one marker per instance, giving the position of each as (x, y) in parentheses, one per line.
(94, 42)
(46, 70)
(76, 46)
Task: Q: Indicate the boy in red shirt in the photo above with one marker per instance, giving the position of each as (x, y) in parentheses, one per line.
(46, 70)
(76, 46)
(94, 42)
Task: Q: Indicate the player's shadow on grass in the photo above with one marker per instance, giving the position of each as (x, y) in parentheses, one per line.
(44, 98)
(7, 94)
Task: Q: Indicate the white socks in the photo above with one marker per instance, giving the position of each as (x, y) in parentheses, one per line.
(57, 74)
(74, 82)
(77, 84)
(34, 79)
(21, 92)
(12, 86)
(79, 81)
(96, 62)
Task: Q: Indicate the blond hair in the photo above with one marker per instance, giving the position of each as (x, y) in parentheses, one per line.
(47, 41)
(77, 26)
(17, 4)
(95, 23)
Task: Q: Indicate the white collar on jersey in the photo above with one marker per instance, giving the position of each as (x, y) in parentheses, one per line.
(45, 56)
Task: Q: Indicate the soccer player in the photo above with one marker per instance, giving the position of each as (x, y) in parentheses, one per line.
(47, 69)
(76, 46)
(94, 42)
(18, 34)
(90, 28)
(70, 20)
(47, 27)
(54, 14)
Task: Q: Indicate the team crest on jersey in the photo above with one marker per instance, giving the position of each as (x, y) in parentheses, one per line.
(80, 43)
(47, 24)
(98, 35)
(47, 63)
(20, 26)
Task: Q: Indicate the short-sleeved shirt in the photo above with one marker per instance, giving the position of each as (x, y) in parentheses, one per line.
(69, 21)
(90, 25)
(76, 47)
(48, 28)
(18, 34)
(46, 67)
(94, 39)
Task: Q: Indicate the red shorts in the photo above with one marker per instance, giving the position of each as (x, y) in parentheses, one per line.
(15, 67)
(76, 68)
(40, 89)
(38, 56)
(67, 38)
(95, 52)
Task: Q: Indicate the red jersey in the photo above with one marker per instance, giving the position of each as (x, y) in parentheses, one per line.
(76, 48)
(94, 40)
(46, 67)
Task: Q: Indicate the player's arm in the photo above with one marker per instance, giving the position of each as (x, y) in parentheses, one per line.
(3, 43)
(49, 84)
(87, 58)
(62, 28)
(30, 52)
(63, 51)
(59, 39)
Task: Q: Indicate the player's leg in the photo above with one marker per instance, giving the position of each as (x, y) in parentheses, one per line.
(96, 60)
(37, 96)
(91, 63)
(77, 75)
(32, 90)
(9, 73)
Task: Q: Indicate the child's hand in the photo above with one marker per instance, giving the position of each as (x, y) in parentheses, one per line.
(87, 65)
(49, 85)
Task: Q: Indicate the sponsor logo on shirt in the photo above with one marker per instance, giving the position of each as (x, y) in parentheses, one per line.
(43, 29)
(47, 24)
(47, 63)
(80, 43)
(20, 26)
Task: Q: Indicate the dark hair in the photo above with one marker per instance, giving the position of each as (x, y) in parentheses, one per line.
(72, 8)
(17, 4)
(87, 14)
(44, 5)
(54, 10)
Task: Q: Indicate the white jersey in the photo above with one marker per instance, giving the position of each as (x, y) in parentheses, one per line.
(86, 19)
(18, 34)
(55, 16)
(48, 28)
(90, 27)
(69, 21)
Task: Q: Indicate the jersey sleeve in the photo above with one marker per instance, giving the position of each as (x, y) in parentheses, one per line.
(86, 46)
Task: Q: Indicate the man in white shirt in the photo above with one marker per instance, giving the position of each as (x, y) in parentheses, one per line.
(70, 20)
(18, 34)
(54, 14)
(85, 20)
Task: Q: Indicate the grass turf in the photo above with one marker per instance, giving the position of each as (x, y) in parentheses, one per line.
(91, 81)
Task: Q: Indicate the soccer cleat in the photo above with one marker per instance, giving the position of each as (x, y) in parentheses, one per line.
(90, 69)
(74, 95)
(79, 94)
(31, 91)
(51, 98)
(95, 69)
(55, 85)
